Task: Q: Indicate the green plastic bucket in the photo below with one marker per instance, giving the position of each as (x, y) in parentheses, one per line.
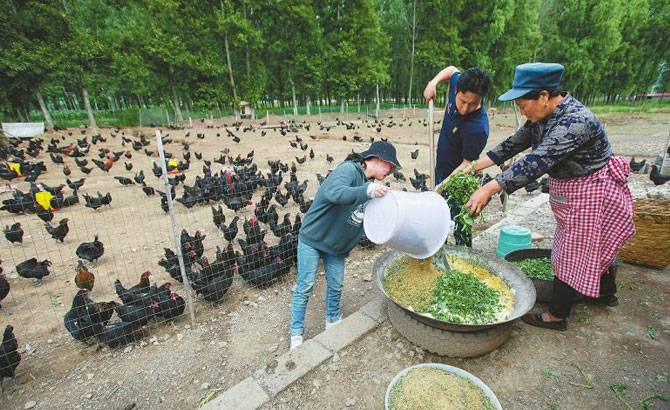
(512, 238)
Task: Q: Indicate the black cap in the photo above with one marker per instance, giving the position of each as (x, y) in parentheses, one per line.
(382, 150)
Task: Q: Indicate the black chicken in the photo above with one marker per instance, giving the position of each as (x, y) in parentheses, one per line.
(283, 228)
(213, 281)
(75, 185)
(656, 177)
(60, 231)
(100, 312)
(44, 214)
(267, 273)
(636, 166)
(4, 291)
(124, 181)
(281, 198)
(91, 251)
(138, 294)
(414, 154)
(120, 334)
(78, 321)
(9, 355)
(171, 263)
(170, 306)
(14, 233)
(230, 231)
(139, 177)
(32, 269)
(97, 202)
(137, 314)
(218, 216)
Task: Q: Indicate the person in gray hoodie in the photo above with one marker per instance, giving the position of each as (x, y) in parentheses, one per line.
(333, 226)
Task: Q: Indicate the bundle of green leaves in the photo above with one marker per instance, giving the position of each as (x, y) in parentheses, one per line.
(460, 297)
(538, 268)
(460, 187)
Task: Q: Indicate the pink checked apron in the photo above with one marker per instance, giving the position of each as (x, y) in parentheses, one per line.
(594, 218)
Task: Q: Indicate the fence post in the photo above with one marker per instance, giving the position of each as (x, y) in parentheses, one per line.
(173, 218)
(190, 122)
(167, 115)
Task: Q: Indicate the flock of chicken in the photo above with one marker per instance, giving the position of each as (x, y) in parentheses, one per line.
(255, 261)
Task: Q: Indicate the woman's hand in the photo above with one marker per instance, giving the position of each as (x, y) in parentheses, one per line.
(377, 190)
(430, 91)
(481, 197)
(381, 190)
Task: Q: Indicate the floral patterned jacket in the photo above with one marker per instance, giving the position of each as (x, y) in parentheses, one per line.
(570, 143)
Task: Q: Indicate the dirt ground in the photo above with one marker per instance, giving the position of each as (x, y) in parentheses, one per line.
(180, 362)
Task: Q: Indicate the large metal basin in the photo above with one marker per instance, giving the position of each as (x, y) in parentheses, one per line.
(514, 277)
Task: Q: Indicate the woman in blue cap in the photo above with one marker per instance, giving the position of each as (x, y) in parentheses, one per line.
(333, 226)
(588, 189)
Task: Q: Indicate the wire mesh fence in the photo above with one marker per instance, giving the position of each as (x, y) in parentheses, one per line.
(106, 236)
(89, 245)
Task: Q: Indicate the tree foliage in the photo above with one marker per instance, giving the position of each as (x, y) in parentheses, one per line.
(211, 54)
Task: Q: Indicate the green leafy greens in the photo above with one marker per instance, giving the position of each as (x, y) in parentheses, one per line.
(460, 297)
(460, 187)
(538, 268)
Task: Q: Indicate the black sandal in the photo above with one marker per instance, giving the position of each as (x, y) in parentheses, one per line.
(537, 321)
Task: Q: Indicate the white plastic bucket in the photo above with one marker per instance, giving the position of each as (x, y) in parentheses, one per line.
(410, 222)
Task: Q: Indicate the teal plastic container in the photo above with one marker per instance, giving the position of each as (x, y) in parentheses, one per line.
(512, 238)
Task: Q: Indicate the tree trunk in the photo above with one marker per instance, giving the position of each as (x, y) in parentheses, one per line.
(175, 100)
(295, 106)
(411, 57)
(307, 105)
(230, 68)
(87, 106)
(377, 109)
(43, 107)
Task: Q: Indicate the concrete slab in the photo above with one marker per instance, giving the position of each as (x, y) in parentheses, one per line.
(246, 395)
(347, 332)
(375, 309)
(289, 367)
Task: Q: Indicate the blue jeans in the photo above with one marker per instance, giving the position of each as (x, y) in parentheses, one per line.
(308, 262)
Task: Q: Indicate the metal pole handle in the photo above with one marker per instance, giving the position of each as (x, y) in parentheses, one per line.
(431, 139)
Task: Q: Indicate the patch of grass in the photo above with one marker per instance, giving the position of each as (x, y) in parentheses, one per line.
(651, 333)
(653, 313)
(208, 396)
(551, 373)
(628, 285)
(582, 316)
(646, 402)
(660, 378)
(619, 389)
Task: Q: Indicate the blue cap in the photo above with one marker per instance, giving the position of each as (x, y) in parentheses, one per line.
(534, 76)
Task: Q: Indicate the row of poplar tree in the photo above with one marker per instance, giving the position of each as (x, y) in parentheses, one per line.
(209, 53)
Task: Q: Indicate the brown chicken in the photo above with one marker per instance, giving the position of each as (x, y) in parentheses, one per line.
(109, 163)
(66, 171)
(84, 278)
